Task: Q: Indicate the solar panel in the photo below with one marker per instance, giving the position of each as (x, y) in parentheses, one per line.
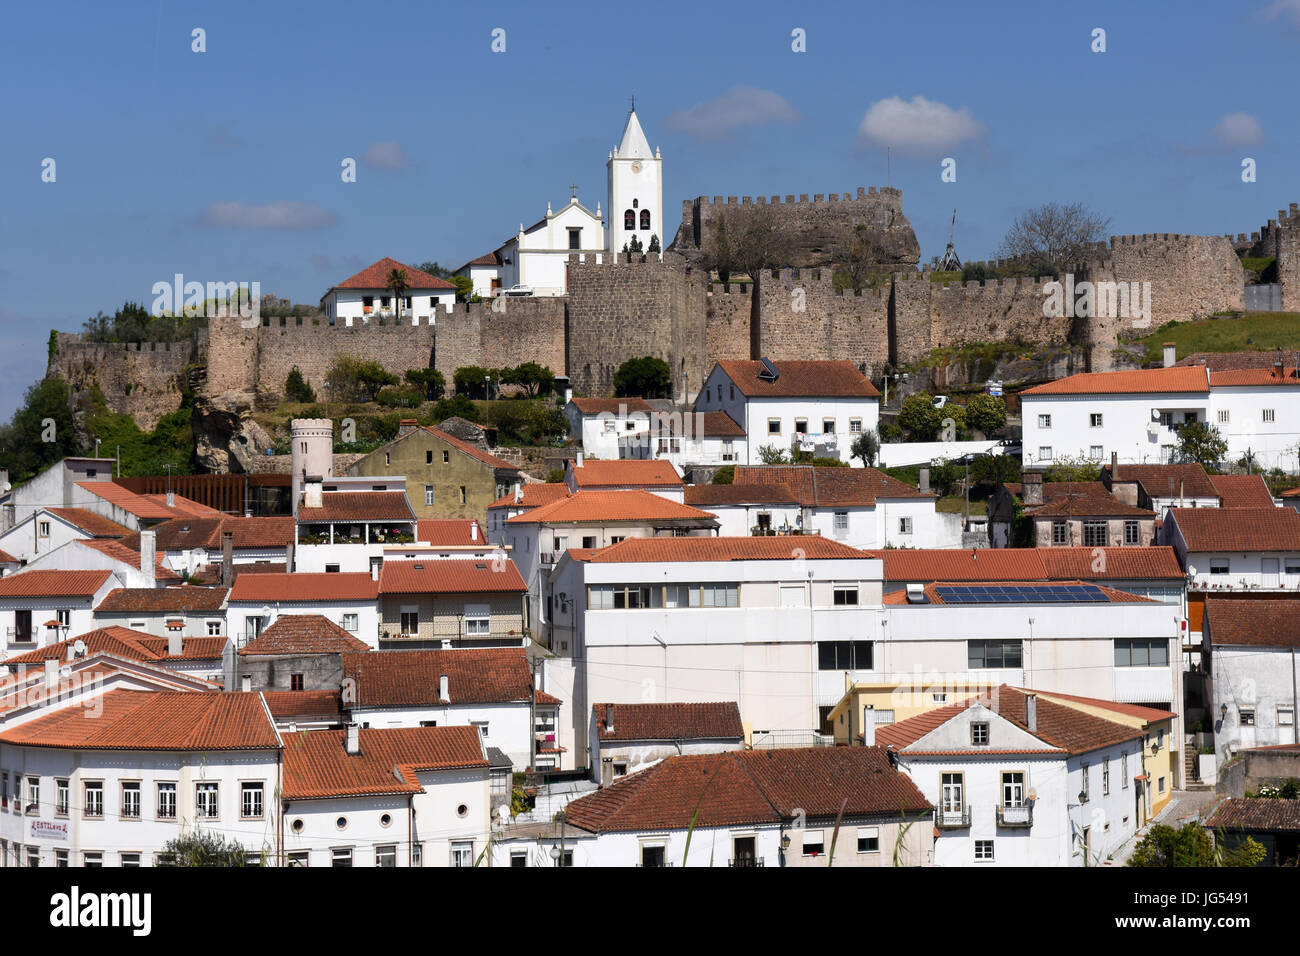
(1021, 594)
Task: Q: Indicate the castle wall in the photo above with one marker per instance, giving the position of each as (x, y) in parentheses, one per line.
(141, 379)
(1287, 250)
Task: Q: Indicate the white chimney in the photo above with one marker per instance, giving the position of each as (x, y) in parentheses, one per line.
(175, 642)
(609, 718)
(579, 464)
(148, 556)
(923, 480)
(51, 672)
(869, 726)
(171, 499)
(312, 492)
(1170, 354)
(246, 683)
(352, 739)
(374, 570)
(519, 494)
(1031, 712)
(443, 689)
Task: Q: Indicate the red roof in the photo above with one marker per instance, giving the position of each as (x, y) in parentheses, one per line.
(1261, 815)
(1258, 622)
(1166, 481)
(669, 721)
(155, 720)
(773, 493)
(303, 634)
(488, 675)
(7, 558)
(611, 506)
(611, 406)
(306, 704)
(1238, 529)
(1237, 377)
(374, 278)
(1242, 491)
(125, 642)
(817, 780)
(1088, 499)
(183, 507)
(305, 587)
(128, 501)
(188, 533)
(179, 599)
(535, 494)
(720, 425)
(472, 450)
(1111, 563)
(317, 765)
(1149, 714)
(838, 378)
(742, 548)
(625, 473)
(817, 486)
(53, 583)
(119, 551)
(97, 526)
(358, 506)
(1177, 378)
(450, 532)
(450, 576)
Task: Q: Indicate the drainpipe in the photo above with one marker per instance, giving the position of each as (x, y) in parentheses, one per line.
(1294, 737)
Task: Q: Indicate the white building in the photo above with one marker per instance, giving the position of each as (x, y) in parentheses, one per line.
(485, 273)
(448, 602)
(202, 657)
(819, 407)
(605, 426)
(350, 600)
(161, 612)
(1017, 780)
(627, 738)
(345, 530)
(43, 607)
(634, 177)
(1236, 549)
(48, 529)
(366, 296)
(538, 255)
(1250, 654)
(56, 486)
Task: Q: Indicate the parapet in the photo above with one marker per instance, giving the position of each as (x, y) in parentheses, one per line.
(818, 199)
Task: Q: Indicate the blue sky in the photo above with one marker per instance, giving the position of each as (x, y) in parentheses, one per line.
(225, 165)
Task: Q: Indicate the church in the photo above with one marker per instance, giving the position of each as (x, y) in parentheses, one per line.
(536, 257)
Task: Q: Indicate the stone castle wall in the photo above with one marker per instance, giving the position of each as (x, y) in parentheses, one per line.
(140, 379)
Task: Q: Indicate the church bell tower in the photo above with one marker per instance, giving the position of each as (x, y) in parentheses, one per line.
(634, 176)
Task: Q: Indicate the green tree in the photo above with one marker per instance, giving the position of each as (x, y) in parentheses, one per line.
(866, 447)
(1201, 442)
(472, 380)
(920, 418)
(890, 432)
(952, 412)
(432, 267)
(354, 378)
(1191, 846)
(633, 248)
(533, 378)
(398, 284)
(1065, 468)
(430, 381)
(718, 255)
(459, 405)
(726, 475)
(464, 287)
(772, 455)
(986, 413)
(42, 431)
(197, 848)
(645, 377)
(296, 388)
(654, 244)
(992, 470)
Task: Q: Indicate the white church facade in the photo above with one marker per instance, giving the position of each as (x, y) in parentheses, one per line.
(536, 258)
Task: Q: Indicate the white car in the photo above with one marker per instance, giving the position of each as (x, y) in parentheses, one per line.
(518, 290)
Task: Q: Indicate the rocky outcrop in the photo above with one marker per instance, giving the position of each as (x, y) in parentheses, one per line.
(226, 438)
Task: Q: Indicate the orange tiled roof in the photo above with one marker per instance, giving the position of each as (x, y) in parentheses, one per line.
(1148, 714)
(128, 501)
(610, 406)
(411, 678)
(119, 551)
(317, 766)
(1242, 491)
(303, 634)
(95, 525)
(178, 599)
(629, 472)
(741, 548)
(450, 532)
(125, 642)
(1177, 378)
(801, 379)
(450, 576)
(1112, 563)
(673, 721)
(612, 506)
(1088, 499)
(1257, 622)
(766, 493)
(7, 558)
(40, 583)
(155, 720)
(374, 277)
(816, 486)
(182, 506)
(309, 704)
(473, 451)
(1238, 529)
(187, 533)
(305, 587)
(358, 506)
(1254, 377)
(535, 494)
(1261, 816)
(1166, 481)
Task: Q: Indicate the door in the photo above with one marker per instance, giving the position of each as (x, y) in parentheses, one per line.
(1268, 568)
(23, 625)
(744, 851)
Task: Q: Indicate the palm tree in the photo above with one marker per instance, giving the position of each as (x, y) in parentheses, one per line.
(397, 283)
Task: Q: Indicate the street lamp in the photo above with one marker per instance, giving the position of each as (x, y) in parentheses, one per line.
(487, 394)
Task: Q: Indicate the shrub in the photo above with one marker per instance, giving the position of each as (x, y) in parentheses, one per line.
(725, 475)
(645, 377)
(296, 388)
(400, 397)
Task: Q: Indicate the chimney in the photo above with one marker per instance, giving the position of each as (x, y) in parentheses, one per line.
(923, 482)
(406, 426)
(443, 689)
(519, 494)
(609, 718)
(175, 642)
(171, 499)
(1031, 489)
(228, 558)
(352, 739)
(51, 672)
(312, 492)
(1171, 354)
(72, 651)
(578, 464)
(246, 683)
(869, 726)
(606, 771)
(288, 553)
(473, 530)
(374, 569)
(1031, 712)
(1114, 465)
(148, 556)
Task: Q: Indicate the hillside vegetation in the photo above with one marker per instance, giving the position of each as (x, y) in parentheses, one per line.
(1230, 333)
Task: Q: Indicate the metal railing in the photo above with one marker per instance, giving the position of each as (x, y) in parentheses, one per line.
(1021, 816)
(952, 819)
(779, 739)
(746, 861)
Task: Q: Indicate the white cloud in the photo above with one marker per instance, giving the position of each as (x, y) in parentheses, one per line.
(917, 124)
(386, 155)
(272, 215)
(739, 107)
(1238, 129)
(1287, 8)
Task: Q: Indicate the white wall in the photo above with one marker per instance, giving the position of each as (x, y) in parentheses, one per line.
(1274, 444)
(345, 306)
(1262, 679)
(25, 542)
(367, 616)
(1124, 429)
(508, 723)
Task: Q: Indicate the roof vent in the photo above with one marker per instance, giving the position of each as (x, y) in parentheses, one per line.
(916, 594)
(768, 372)
(418, 567)
(481, 567)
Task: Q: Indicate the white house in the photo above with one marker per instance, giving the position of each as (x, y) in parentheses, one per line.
(1257, 411)
(627, 738)
(538, 255)
(350, 530)
(349, 599)
(135, 569)
(817, 406)
(42, 607)
(1236, 549)
(485, 273)
(188, 544)
(524, 497)
(1017, 780)
(366, 295)
(605, 425)
(56, 486)
(189, 611)
(202, 657)
(48, 529)
(656, 477)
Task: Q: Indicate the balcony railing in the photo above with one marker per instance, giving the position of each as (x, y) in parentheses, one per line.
(952, 819)
(746, 861)
(1021, 816)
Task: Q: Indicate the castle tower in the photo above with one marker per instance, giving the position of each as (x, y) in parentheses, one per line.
(635, 190)
(312, 453)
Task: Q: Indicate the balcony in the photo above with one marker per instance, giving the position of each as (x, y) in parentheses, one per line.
(1021, 816)
(952, 819)
(746, 861)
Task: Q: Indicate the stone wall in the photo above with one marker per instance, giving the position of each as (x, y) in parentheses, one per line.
(141, 379)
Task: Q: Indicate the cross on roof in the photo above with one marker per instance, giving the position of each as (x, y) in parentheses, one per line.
(573, 188)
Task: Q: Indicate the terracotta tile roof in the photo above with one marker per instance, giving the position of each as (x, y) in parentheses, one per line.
(1249, 358)
(97, 526)
(472, 450)
(450, 576)
(182, 506)
(128, 501)
(1177, 378)
(1115, 564)
(766, 493)
(450, 532)
(669, 721)
(1254, 622)
(186, 533)
(801, 379)
(1258, 814)
(622, 473)
(7, 558)
(358, 506)
(305, 588)
(1230, 378)
(1060, 726)
(155, 720)
(53, 583)
(1242, 491)
(741, 548)
(411, 678)
(316, 765)
(610, 406)
(963, 564)
(545, 698)
(303, 634)
(1238, 529)
(1167, 481)
(119, 551)
(128, 643)
(816, 781)
(611, 506)
(307, 704)
(487, 259)
(535, 494)
(209, 575)
(1149, 714)
(374, 278)
(178, 599)
(816, 486)
(1113, 596)
(721, 425)
(1084, 499)
(1290, 493)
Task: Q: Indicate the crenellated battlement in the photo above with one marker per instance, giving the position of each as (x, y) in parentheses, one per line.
(872, 193)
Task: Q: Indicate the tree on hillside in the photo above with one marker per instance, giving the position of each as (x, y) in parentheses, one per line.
(296, 388)
(464, 287)
(1202, 443)
(866, 446)
(356, 379)
(919, 416)
(430, 380)
(533, 378)
(1191, 846)
(645, 377)
(398, 284)
(986, 413)
(46, 413)
(471, 380)
(1054, 234)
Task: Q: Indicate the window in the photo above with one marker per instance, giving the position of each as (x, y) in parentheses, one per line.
(428, 456)
(1060, 532)
(841, 522)
(205, 800)
(1013, 789)
(1248, 717)
(92, 858)
(1223, 416)
(868, 839)
(131, 860)
(983, 850)
(1094, 534)
(1044, 421)
(1160, 785)
(629, 220)
(478, 620)
(620, 768)
(951, 793)
(588, 541)
(386, 855)
(801, 426)
(299, 858)
(131, 800)
(993, 654)
(463, 496)
(33, 856)
(1132, 535)
(855, 426)
(1105, 777)
(519, 858)
(1218, 565)
(905, 525)
(844, 655)
(979, 733)
(350, 622)
(341, 856)
(575, 238)
(410, 622)
(1044, 452)
(828, 426)
(60, 797)
(214, 628)
(61, 858)
(1167, 454)
(1141, 652)
(252, 627)
(428, 496)
(1123, 771)
(814, 843)
(93, 805)
(44, 531)
(1269, 415)
(1086, 791)
(331, 569)
(845, 594)
(33, 795)
(462, 853)
(1096, 452)
(1286, 716)
(250, 801)
(295, 681)
(1094, 420)
(774, 426)
(645, 218)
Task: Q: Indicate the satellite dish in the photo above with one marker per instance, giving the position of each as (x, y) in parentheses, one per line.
(503, 811)
(65, 671)
(1191, 570)
(79, 648)
(1155, 414)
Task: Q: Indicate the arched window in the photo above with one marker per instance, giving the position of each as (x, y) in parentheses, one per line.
(645, 218)
(629, 220)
